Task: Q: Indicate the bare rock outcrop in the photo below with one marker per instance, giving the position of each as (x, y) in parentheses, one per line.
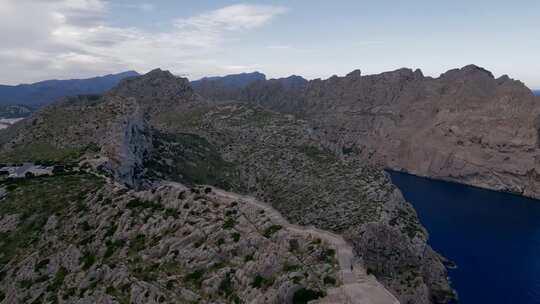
(465, 126)
(168, 244)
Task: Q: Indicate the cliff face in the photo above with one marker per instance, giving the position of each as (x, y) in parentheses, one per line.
(109, 131)
(465, 126)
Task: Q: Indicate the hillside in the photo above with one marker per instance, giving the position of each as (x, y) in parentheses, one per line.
(465, 126)
(220, 86)
(155, 130)
(45, 92)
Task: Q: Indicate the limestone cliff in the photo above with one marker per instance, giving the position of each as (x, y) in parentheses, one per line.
(465, 126)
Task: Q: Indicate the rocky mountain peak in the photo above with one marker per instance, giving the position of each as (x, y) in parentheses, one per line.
(467, 73)
(234, 81)
(155, 84)
(355, 74)
(472, 69)
(291, 82)
(400, 75)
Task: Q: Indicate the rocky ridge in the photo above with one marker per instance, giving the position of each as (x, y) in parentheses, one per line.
(106, 244)
(465, 126)
(156, 128)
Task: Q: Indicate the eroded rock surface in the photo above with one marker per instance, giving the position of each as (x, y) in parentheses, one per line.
(107, 244)
(465, 126)
(155, 128)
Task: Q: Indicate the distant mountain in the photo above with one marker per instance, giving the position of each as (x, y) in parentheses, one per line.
(45, 92)
(225, 87)
(536, 92)
(244, 86)
(238, 81)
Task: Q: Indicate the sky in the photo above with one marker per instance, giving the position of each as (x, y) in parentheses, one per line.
(63, 39)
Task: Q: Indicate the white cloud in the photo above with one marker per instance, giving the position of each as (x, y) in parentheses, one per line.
(71, 38)
(146, 7)
(234, 17)
(288, 48)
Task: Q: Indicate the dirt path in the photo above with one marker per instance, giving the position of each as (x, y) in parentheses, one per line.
(358, 287)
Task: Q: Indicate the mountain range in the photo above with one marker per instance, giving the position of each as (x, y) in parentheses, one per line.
(163, 180)
(145, 153)
(465, 126)
(44, 92)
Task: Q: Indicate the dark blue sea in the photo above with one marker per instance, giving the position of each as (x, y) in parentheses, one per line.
(494, 238)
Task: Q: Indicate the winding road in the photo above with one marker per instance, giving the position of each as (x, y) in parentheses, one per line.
(358, 287)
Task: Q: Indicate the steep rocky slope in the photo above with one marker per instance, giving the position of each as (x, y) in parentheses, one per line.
(77, 239)
(220, 86)
(465, 126)
(280, 160)
(155, 128)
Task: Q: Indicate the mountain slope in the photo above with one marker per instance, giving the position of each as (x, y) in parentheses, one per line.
(221, 86)
(237, 81)
(465, 126)
(155, 129)
(45, 92)
(94, 242)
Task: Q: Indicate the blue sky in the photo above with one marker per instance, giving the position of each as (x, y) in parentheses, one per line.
(80, 38)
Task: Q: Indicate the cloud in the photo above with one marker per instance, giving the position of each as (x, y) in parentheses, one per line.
(146, 7)
(72, 38)
(288, 48)
(234, 17)
(280, 47)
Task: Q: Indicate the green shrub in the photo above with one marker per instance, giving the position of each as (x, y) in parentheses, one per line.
(329, 280)
(112, 246)
(268, 232)
(303, 296)
(41, 264)
(229, 223)
(235, 236)
(87, 260)
(137, 203)
(327, 255)
(25, 284)
(137, 244)
(58, 280)
(290, 267)
(195, 277)
(226, 285)
(259, 282)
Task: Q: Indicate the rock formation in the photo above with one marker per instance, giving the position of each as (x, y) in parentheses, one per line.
(102, 243)
(155, 129)
(465, 126)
